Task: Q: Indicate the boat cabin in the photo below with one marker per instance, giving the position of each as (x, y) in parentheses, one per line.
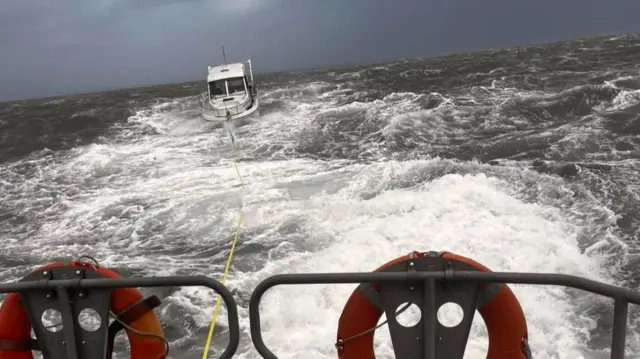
(228, 80)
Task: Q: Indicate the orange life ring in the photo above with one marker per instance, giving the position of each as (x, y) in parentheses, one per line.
(15, 327)
(502, 314)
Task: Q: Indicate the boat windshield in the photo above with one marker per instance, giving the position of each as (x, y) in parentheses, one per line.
(217, 88)
(236, 85)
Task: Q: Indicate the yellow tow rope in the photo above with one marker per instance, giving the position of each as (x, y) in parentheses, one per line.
(226, 269)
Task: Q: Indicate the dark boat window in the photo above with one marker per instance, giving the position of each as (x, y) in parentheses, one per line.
(217, 88)
(236, 85)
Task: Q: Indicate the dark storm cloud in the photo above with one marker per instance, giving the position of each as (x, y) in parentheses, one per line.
(53, 47)
(149, 3)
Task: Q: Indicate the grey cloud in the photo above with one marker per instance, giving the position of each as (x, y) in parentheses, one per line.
(69, 46)
(117, 6)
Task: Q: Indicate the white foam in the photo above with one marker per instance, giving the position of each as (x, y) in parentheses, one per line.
(468, 215)
(626, 98)
(176, 117)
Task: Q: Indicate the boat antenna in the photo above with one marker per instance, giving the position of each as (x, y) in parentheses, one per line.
(224, 56)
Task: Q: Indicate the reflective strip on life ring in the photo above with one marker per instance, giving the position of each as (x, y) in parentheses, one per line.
(16, 327)
(498, 306)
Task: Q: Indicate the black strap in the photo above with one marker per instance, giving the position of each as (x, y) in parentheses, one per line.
(10, 345)
(372, 294)
(128, 316)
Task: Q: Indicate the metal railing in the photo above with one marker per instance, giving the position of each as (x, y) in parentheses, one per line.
(41, 290)
(44, 290)
(622, 297)
(222, 113)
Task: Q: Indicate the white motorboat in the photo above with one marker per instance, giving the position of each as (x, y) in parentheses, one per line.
(231, 94)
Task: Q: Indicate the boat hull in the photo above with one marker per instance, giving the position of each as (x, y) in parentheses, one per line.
(211, 115)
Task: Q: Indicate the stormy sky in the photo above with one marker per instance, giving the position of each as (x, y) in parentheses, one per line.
(50, 47)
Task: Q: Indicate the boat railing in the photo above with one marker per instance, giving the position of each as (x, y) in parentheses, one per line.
(430, 284)
(69, 290)
(205, 105)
